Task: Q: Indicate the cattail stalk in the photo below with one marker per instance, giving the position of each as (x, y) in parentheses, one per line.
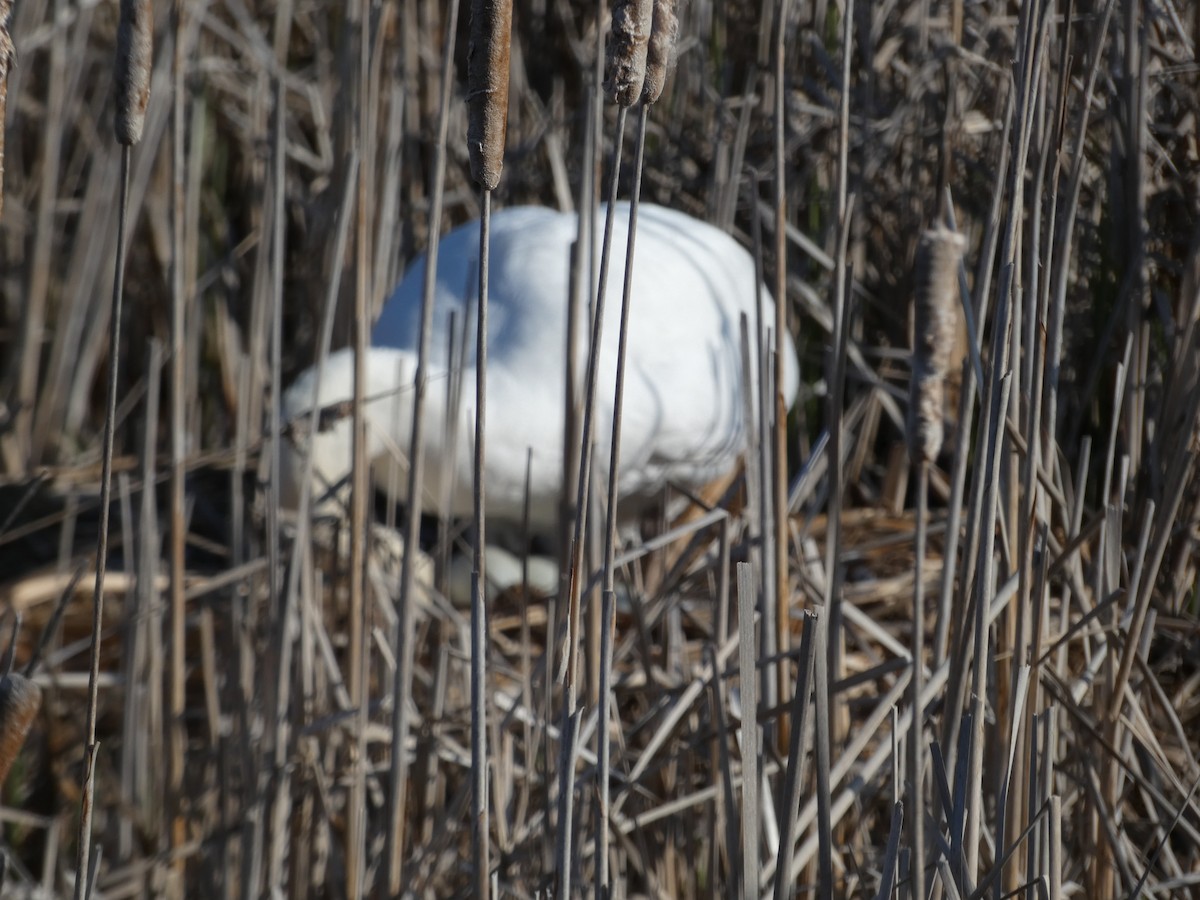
(132, 82)
(625, 66)
(938, 257)
(487, 101)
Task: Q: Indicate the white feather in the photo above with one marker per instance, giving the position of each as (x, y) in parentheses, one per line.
(683, 391)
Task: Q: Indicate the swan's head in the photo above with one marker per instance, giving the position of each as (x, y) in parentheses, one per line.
(388, 391)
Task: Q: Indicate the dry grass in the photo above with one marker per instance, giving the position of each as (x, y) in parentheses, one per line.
(288, 169)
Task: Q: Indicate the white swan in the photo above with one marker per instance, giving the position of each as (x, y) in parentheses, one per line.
(683, 419)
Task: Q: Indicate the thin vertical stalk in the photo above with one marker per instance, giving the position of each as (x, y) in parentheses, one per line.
(608, 612)
(356, 839)
(785, 888)
(131, 76)
(488, 55)
(999, 390)
(575, 574)
(748, 679)
(779, 475)
(179, 400)
(36, 297)
(821, 741)
(916, 734)
(479, 758)
(281, 600)
(404, 625)
(84, 840)
(833, 578)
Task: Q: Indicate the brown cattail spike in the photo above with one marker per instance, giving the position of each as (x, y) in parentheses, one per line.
(625, 72)
(135, 50)
(20, 700)
(660, 56)
(938, 258)
(487, 88)
(7, 55)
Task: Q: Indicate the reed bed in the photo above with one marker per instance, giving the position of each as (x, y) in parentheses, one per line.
(828, 678)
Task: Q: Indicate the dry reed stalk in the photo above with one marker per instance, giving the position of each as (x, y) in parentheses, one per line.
(394, 849)
(777, 407)
(748, 680)
(832, 714)
(132, 77)
(8, 54)
(31, 388)
(608, 597)
(488, 56)
(916, 744)
(480, 831)
(283, 604)
(625, 67)
(358, 662)
(177, 737)
(565, 858)
(797, 760)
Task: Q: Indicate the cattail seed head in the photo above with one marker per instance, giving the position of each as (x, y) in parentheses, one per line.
(135, 51)
(625, 67)
(938, 256)
(20, 700)
(660, 55)
(487, 88)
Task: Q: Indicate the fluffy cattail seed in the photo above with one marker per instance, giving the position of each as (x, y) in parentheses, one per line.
(660, 56)
(487, 88)
(135, 50)
(938, 256)
(625, 69)
(7, 55)
(20, 700)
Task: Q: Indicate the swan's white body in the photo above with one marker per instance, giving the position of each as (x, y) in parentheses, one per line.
(683, 419)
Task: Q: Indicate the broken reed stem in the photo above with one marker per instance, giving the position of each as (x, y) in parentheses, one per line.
(625, 66)
(132, 77)
(488, 56)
